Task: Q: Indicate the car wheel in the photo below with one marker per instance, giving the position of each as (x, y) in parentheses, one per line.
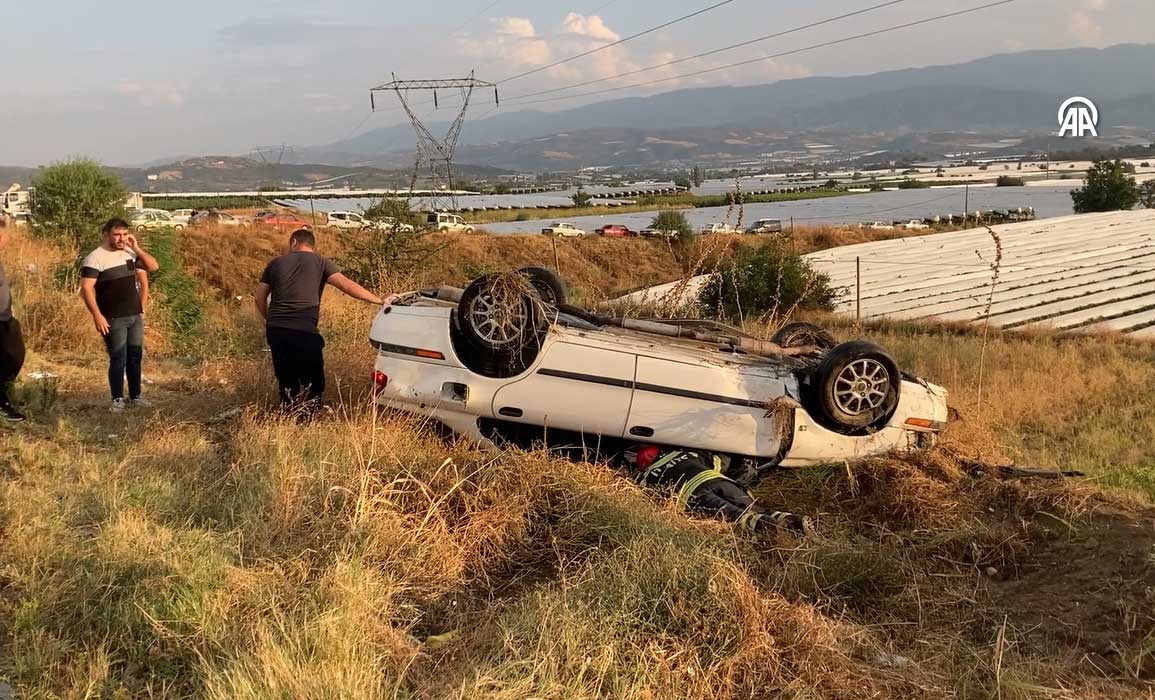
(549, 285)
(497, 314)
(498, 328)
(799, 334)
(855, 388)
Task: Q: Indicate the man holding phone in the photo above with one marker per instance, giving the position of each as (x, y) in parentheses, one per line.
(114, 286)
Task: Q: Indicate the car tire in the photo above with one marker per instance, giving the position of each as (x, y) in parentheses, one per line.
(855, 389)
(492, 323)
(549, 285)
(799, 334)
(476, 346)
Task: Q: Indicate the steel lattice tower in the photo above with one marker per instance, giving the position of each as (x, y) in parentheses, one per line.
(434, 155)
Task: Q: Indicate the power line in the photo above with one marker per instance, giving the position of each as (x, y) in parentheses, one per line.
(481, 13)
(600, 7)
(731, 47)
(619, 42)
(834, 42)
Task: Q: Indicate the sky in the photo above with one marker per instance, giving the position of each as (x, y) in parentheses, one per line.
(131, 81)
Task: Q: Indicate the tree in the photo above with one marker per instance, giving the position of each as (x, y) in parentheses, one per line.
(581, 198)
(682, 242)
(676, 221)
(74, 199)
(501, 188)
(1108, 188)
(698, 176)
(376, 258)
(682, 182)
(766, 279)
(1147, 194)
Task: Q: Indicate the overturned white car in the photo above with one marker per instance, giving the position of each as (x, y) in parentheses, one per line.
(508, 360)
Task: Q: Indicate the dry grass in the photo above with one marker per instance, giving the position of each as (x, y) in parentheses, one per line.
(169, 554)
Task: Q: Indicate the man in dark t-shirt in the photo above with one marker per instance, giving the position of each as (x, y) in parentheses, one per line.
(114, 286)
(11, 347)
(289, 299)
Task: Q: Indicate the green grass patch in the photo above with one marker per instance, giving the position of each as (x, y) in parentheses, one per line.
(172, 203)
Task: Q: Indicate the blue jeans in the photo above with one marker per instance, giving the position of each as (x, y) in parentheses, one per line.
(125, 343)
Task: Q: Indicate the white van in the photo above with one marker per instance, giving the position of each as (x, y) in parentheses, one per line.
(447, 222)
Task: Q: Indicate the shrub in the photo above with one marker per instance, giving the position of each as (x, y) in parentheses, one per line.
(396, 209)
(766, 280)
(176, 292)
(73, 199)
(1008, 181)
(581, 198)
(1108, 188)
(908, 184)
(375, 257)
(1147, 194)
(683, 241)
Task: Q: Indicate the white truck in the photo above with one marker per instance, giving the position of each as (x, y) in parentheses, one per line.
(16, 200)
(16, 203)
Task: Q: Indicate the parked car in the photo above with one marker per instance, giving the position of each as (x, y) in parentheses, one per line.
(657, 233)
(388, 224)
(563, 230)
(442, 221)
(531, 368)
(280, 220)
(615, 231)
(212, 217)
(346, 221)
(182, 215)
(151, 219)
(766, 226)
(880, 226)
(915, 225)
(716, 228)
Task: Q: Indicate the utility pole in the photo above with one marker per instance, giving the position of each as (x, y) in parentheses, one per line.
(966, 202)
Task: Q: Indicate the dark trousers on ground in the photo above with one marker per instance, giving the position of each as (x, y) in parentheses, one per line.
(299, 363)
(125, 344)
(11, 356)
(722, 498)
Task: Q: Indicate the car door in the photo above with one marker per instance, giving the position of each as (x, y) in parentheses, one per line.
(578, 387)
(706, 405)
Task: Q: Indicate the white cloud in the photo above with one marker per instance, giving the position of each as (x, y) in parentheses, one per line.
(592, 26)
(150, 95)
(517, 42)
(1083, 23)
(519, 27)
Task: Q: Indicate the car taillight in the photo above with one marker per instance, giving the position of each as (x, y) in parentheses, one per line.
(380, 381)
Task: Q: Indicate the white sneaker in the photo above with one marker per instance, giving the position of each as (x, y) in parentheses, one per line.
(140, 403)
(117, 405)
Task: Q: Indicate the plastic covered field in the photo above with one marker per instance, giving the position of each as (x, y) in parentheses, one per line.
(1093, 272)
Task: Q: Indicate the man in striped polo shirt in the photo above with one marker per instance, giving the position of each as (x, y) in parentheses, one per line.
(114, 286)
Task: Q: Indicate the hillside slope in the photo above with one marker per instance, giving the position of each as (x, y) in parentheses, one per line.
(208, 547)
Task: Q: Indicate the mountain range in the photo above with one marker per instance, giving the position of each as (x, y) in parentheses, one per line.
(1006, 93)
